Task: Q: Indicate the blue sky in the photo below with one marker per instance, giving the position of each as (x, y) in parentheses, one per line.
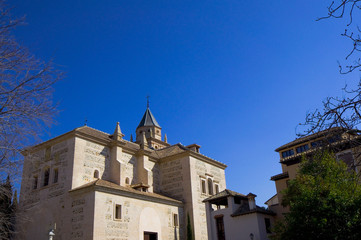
(235, 77)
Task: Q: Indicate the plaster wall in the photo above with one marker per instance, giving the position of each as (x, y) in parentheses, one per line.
(240, 227)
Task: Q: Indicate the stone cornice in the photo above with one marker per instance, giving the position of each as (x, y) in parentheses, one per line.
(195, 155)
(134, 195)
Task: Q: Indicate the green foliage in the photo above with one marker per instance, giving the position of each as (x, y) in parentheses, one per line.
(324, 201)
(189, 229)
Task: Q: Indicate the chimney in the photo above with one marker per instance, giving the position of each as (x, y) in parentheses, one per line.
(194, 147)
(251, 201)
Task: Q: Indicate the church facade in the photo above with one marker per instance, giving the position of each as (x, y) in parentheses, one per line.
(87, 184)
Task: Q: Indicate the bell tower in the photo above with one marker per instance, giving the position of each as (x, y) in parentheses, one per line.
(148, 132)
(149, 126)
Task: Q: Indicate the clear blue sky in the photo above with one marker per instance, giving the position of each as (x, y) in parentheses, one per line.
(235, 77)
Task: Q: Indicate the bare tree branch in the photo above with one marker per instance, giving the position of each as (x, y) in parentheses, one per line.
(26, 105)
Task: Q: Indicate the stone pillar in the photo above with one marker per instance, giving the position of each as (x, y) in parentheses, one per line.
(142, 173)
(210, 221)
(115, 165)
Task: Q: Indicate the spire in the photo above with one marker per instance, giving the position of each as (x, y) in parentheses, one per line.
(131, 137)
(117, 135)
(165, 138)
(148, 120)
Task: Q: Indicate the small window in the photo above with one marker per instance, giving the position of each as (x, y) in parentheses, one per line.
(118, 211)
(56, 175)
(46, 177)
(203, 186)
(217, 188)
(316, 144)
(175, 220)
(288, 153)
(47, 153)
(302, 148)
(96, 174)
(35, 182)
(127, 180)
(210, 186)
(267, 222)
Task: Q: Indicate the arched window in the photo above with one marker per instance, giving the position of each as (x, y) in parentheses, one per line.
(210, 186)
(96, 174)
(127, 180)
(46, 177)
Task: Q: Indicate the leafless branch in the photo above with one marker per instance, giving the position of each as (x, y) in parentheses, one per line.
(26, 105)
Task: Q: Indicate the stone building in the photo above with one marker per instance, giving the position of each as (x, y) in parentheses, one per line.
(87, 184)
(345, 143)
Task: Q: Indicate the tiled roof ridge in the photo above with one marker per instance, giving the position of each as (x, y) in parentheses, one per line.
(187, 149)
(310, 137)
(86, 126)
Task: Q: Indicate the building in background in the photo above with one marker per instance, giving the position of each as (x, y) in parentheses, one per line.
(344, 143)
(231, 215)
(87, 184)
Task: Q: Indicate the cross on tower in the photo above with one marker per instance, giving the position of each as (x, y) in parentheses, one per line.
(148, 101)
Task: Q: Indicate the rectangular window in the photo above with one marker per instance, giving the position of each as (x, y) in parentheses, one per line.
(220, 228)
(118, 211)
(203, 185)
(316, 144)
(56, 175)
(175, 220)
(46, 177)
(267, 222)
(302, 148)
(288, 153)
(150, 236)
(35, 182)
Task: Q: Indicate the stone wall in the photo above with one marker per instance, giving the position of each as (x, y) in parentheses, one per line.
(202, 170)
(171, 182)
(89, 157)
(135, 218)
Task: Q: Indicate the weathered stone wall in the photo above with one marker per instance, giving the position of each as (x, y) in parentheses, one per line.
(172, 178)
(89, 157)
(46, 206)
(153, 175)
(81, 216)
(135, 218)
(57, 156)
(202, 170)
(128, 168)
